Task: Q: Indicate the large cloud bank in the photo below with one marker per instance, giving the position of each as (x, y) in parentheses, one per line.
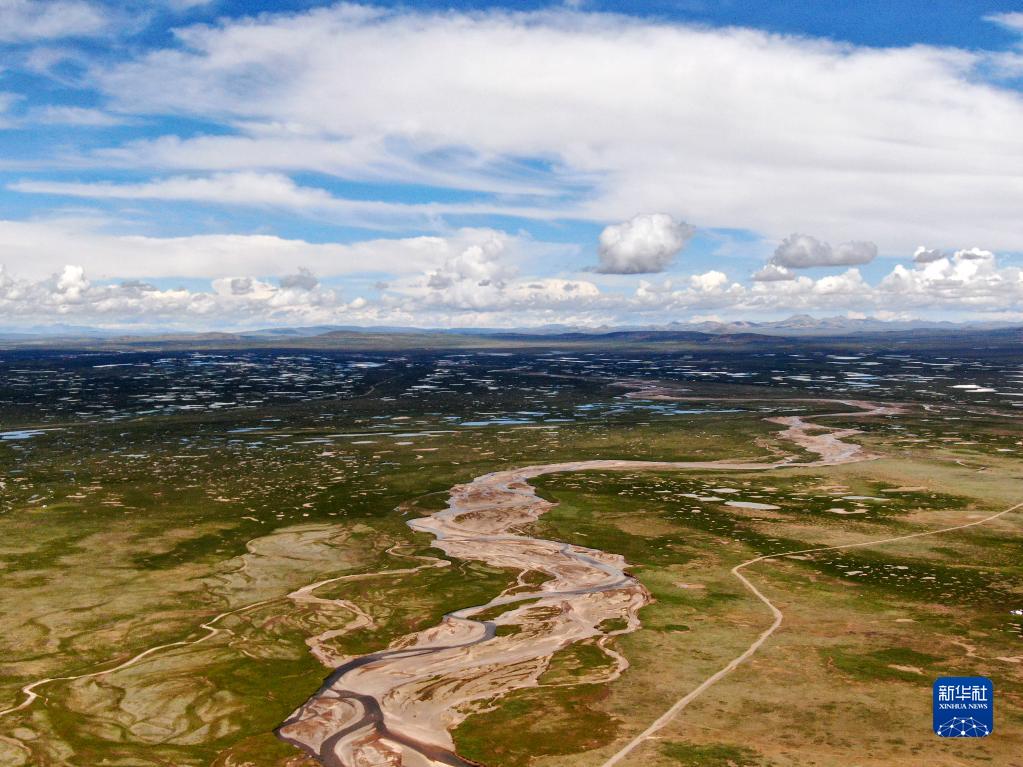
(477, 283)
(732, 127)
(288, 133)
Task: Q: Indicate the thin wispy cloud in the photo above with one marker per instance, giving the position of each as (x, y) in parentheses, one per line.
(25, 21)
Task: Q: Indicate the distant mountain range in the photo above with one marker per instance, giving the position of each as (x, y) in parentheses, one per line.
(805, 325)
(796, 325)
(699, 334)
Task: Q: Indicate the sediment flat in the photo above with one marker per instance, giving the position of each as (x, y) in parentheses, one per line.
(399, 705)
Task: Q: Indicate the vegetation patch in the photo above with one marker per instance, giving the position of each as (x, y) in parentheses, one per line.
(891, 663)
(717, 755)
(524, 724)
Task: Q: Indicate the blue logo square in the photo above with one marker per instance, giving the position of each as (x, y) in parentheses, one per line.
(964, 707)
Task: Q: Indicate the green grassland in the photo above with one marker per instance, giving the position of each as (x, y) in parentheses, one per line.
(866, 631)
(118, 535)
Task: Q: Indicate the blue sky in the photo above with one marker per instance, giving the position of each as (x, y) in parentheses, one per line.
(213, 164)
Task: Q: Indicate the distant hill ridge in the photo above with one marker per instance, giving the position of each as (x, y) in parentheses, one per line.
(796, 325)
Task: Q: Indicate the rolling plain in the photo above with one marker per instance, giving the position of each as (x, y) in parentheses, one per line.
(505, 555)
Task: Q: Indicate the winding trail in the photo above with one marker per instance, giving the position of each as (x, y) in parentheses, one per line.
(299, 596)
(664, 719)
(31, 695)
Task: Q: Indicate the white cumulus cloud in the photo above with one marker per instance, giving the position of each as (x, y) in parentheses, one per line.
(968, 278)
(923, 255)
(645, 243)
(800, 251)
(476, 286)
(304, 279)
(773, 273)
